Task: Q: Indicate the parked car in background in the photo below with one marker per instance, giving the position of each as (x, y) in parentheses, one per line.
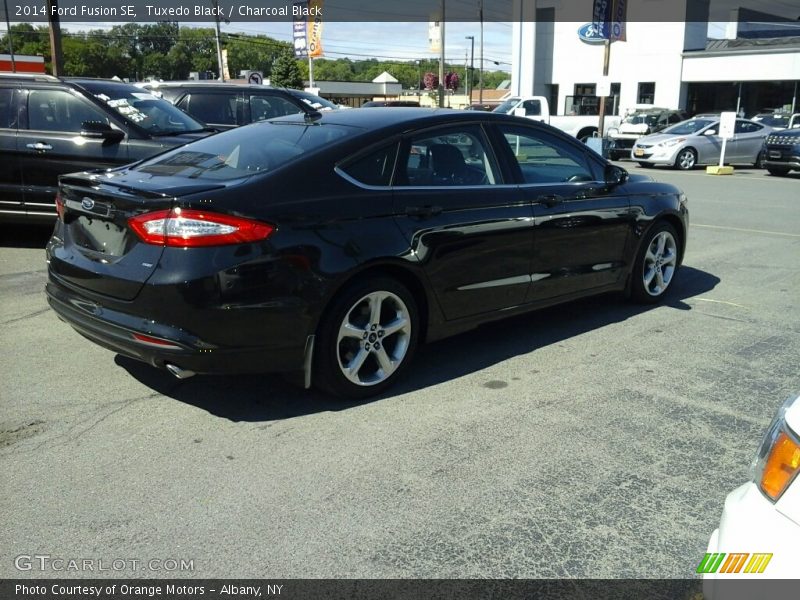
(697, 142)
(782, 152)
(760, 526)
(50, 126)
(374, 103)
(638, 123)
(228, 105)
(778, 120)
(333, 244)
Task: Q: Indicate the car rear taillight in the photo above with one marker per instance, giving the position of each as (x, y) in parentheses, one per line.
(186, 228)
(59, 206)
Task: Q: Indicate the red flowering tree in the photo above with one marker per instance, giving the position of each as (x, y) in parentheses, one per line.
(431, 81)
(451, 81)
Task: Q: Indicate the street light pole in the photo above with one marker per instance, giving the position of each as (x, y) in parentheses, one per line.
(441, 61)
(471, 39)
(219, 45)
(480, 61)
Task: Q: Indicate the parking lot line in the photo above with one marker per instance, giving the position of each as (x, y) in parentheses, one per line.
(761, 231)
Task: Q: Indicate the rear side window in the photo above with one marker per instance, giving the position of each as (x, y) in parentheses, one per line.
(373, 169)
(245, 151)
(269, 106)
(210, 108)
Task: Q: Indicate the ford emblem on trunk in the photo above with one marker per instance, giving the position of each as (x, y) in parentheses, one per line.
(87, 203)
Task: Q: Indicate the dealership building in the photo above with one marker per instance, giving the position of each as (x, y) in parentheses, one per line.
(754, 65)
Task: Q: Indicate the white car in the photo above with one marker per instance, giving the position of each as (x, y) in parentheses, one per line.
(759, 534)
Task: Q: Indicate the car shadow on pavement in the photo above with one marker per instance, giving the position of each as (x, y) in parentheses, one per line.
(256, 398)
(24, 236)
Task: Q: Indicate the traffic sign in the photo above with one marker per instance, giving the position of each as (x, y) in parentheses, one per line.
(255, 77)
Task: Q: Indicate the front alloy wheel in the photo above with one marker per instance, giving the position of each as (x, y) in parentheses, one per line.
(366, 339)
(656, 264)
(686, 159)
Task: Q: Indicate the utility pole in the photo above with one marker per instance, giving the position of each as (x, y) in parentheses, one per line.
(219, 44)
(10, 44)
(480, 60)
(471, 39)
(56, 55)
(441, 61)
(606, 57)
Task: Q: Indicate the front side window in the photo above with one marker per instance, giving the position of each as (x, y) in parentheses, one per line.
(8, 113)
(544, 159)
(451, 157)
(59, 110)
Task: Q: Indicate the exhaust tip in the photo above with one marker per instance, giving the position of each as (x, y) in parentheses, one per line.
(180, 373)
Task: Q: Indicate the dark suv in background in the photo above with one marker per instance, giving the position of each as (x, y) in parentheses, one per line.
(782, 152)
(51, 126)
(228, 105)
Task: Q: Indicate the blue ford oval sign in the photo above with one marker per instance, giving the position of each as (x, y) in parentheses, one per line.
(588, 34)
(87, 203)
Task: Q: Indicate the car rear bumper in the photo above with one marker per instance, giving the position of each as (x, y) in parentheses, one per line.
(161, 344)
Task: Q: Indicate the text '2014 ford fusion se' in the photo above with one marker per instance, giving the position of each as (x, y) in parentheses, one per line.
(333, 244)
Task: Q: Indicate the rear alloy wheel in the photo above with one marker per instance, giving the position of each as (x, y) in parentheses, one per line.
(656, 264)
(686, 159)
(367, 338)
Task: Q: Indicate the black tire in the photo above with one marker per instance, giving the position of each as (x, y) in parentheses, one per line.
(778, 171)
(686, 159)
(645, 165)
(648, 264)
(332, 355)
(759, 164)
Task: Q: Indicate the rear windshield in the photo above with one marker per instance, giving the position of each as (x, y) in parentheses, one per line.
(139, 106)
(257, 148)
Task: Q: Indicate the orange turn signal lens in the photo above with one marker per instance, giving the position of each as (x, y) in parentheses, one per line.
(781, 466)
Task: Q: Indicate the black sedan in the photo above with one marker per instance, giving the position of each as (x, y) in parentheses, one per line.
(332, 245)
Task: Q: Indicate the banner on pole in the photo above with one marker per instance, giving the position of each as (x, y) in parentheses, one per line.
(608, 19)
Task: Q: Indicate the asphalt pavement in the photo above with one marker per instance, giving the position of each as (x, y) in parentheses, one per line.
(596, 439)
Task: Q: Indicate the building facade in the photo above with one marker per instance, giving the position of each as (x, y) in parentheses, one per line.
(666, 63)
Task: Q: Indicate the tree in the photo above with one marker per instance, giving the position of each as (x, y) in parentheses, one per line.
(451, 81)
(431, 81)
(285, 72)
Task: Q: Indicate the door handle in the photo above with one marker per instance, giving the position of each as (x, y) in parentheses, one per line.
(423, 211)
(550, 200)
(39, 146)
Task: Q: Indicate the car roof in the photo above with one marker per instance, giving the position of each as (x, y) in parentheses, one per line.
(94, 84)
(209, 84)
(381, 116)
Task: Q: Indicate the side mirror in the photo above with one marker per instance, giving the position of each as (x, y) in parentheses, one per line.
(710, 132)
(100, 130)
(615, 175)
